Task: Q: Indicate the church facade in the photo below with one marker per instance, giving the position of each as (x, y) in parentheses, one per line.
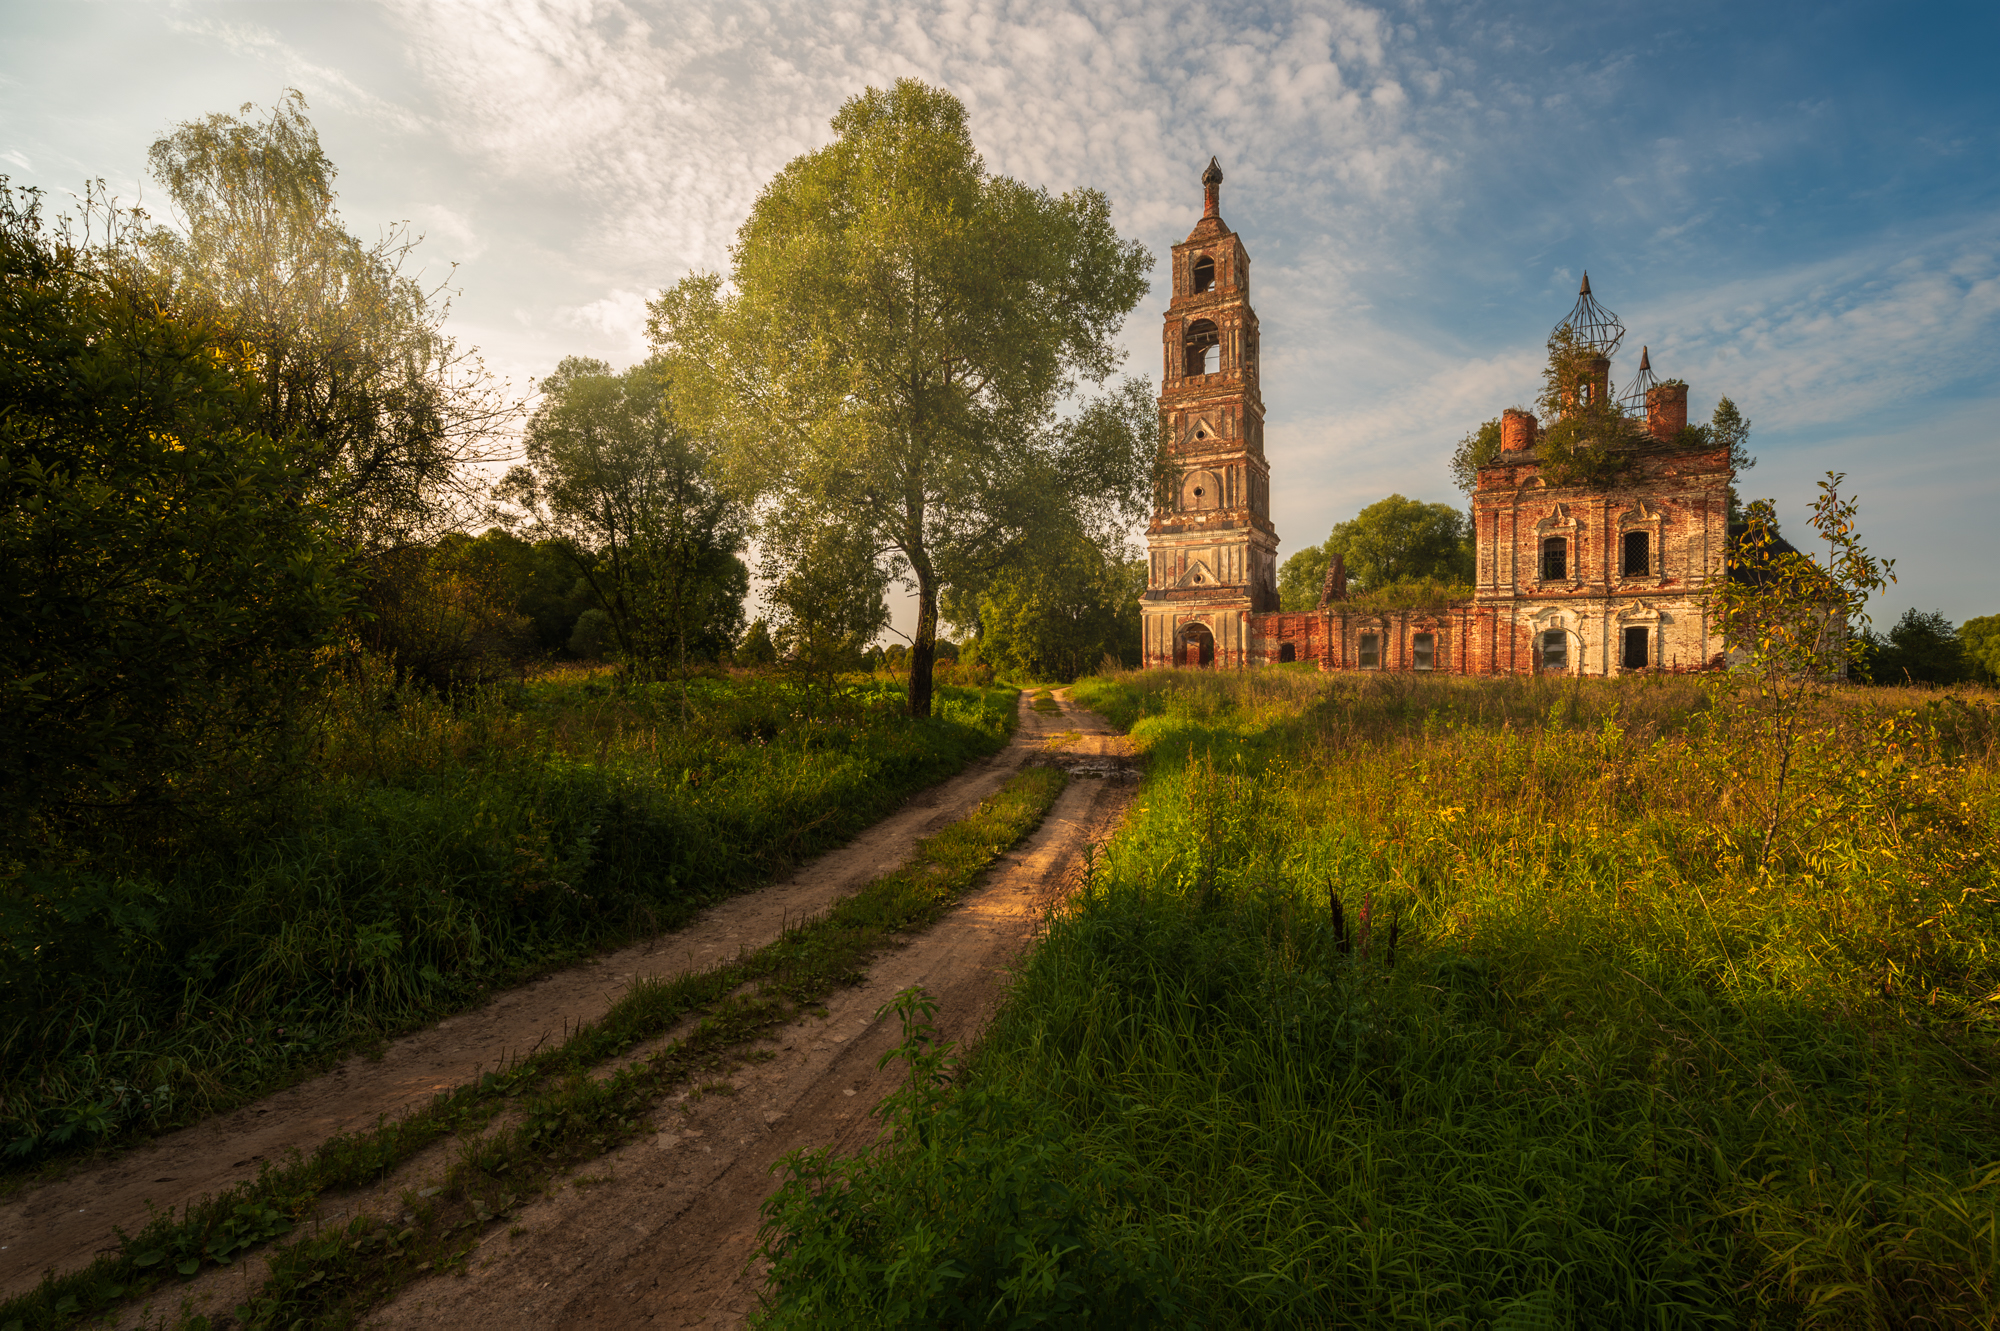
(1570, 577)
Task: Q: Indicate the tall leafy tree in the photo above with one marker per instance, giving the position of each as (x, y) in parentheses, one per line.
(1981, 636)
(898, 333)
(826, 594)
(1402, 540)
(1057, 613)
(1301, 578)
(1921, 648)
(632, 495)
(354, 370)
(165, 577)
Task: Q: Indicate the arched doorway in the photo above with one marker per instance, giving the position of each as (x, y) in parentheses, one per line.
(1197, 645)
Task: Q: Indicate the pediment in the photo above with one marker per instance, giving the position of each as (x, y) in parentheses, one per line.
(1560, 516)
(1198, 574)
(1201, 431)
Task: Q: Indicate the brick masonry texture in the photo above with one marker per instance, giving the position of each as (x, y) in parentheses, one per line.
(1594, 580)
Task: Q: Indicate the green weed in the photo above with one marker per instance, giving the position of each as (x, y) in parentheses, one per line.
(432, 851)
(568, 1115)
(1463, 1003)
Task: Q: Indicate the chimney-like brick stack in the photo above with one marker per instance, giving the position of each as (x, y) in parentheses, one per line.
(1334, 588)
(1600, 377)
(1666, 411)
(1517, 430)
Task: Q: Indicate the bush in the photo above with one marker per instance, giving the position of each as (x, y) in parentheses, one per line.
(164, 588)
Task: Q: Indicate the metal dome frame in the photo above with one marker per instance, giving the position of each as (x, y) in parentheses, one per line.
(1594, 326)
(1634, 396)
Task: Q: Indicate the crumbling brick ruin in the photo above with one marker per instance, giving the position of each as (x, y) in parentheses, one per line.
(1573, 575)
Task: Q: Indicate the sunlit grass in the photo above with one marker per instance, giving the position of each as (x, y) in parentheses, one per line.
(1609, 1075)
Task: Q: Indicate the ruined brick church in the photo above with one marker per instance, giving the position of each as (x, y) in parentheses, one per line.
(1573, 578)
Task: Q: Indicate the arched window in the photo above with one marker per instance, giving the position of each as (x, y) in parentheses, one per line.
(1555, 650)
(1204, 348)
(1555, 558)
(1204, 273)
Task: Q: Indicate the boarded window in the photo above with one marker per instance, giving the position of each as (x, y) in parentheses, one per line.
(1555, 650)
(1286, 652)
(1423, 650)
(1635, 648)
(1371, 652)
(1555, 558)
(1638, 554)
(1204, 273)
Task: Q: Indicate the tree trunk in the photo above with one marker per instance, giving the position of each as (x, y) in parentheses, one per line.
(923, 644)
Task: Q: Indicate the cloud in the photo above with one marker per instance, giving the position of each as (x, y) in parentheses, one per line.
(18, 160)
(320, 82)
(671, 120)
(448, 232)
(1831, 342)
(619, 318)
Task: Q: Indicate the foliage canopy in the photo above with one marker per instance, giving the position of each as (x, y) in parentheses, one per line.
(900, 329)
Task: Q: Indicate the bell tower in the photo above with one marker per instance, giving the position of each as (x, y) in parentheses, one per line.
(1213, 554)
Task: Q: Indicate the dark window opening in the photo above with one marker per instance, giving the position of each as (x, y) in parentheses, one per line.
(1584, 388)
(1287, 652)
(1198, 645)
(1204, 273)
(1555, 650)
(1371, 652)
(1204, 348)
(1423, 651)
(1635, 648)
(1638, 554)
(1555, 557)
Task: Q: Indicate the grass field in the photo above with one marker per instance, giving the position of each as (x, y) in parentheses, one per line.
(1465, 1004)
(429, 851)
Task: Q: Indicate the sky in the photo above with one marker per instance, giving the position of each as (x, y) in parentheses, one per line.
(1794, 205)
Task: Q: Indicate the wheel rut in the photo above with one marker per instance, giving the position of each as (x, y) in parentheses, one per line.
(818, 1089)
(662, 1232)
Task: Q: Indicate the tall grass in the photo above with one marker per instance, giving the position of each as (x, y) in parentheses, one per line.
(1463, 1003)
(430, 850)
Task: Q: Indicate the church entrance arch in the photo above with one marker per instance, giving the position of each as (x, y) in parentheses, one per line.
(1197, 645)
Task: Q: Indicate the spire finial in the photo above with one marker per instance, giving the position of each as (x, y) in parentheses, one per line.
(1211, 182)
(1584, 290)
(1645, 359)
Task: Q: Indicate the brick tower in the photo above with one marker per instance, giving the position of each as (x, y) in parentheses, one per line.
(1213, 552)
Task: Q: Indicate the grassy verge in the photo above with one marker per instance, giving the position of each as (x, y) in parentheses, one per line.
(1446, 1003)
(566, 1116)
(429, 852)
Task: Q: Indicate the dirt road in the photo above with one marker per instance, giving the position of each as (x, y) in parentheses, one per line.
(662, 1231)
(681, 1209)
